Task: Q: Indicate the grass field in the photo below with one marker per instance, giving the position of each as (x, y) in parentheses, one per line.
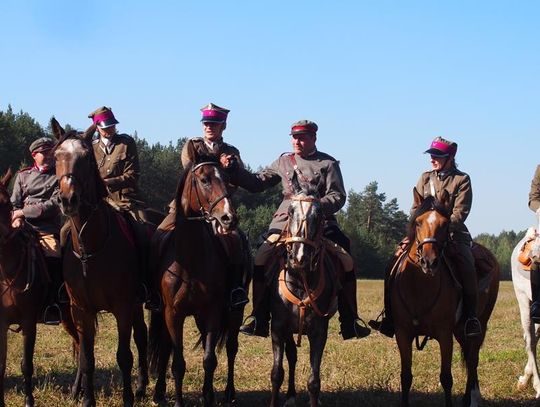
(354, 373)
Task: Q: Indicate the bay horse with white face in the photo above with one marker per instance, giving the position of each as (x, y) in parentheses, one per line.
(23, 287)
(100, 265)
(425, 298)
(194, 282)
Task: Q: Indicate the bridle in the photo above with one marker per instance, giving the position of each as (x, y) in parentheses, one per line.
(289, 239)
(206, 212)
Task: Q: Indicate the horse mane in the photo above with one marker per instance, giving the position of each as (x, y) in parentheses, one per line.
(428, 204)
(179, 190)
(101, 189)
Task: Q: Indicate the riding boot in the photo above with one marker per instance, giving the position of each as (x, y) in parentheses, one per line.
(465, 265)
(52, 315)
(257, 324)
(239, 296)
(535, 292)
(386, 324)
(347, 306)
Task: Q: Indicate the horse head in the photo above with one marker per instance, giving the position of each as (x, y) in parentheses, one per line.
(5, 206)
(305, 226)
(78, 178)
(205, 195)
(428, 230)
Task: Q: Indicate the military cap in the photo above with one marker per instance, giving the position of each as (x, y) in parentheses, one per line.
(41, 144)
(303, 127)
(103, 117)
(441, 147)
(212, 113)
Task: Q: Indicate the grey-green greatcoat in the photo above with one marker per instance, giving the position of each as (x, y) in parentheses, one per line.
(319, 169)
(36, 193)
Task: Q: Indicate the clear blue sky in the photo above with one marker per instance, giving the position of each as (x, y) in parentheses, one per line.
(381, 78)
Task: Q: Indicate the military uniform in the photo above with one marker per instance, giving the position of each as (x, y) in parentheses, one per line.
(534, 193)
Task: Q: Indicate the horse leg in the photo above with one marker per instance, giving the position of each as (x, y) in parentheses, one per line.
(405, 353)
(163, 361)
(235, 320)
(529, 336)
(3, 355)
(278, 373)
(27, 363)
(87, 363)
(124, 357)
(140, 335)
(317, 342)
(446, 343)
(292, 356)
(178, 368)
(471, 348)
(209, 365)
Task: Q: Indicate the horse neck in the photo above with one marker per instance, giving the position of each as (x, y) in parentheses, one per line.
(12, 253)
(91, 226)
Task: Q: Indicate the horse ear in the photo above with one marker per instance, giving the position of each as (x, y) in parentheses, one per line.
(89, 132)
(57, 130)
(417, 198)
(295, 185)
(7, 177)
(445, 198)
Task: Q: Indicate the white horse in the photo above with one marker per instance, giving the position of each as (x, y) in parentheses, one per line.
(531, 331)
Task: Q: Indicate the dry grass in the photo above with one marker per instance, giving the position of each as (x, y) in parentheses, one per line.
(354, 373)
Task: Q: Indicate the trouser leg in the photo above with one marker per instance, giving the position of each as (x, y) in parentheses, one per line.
(52, 314)
(348, 309)
(260, 317)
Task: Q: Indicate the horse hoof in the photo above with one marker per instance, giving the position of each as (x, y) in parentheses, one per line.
(290, 402)
(140, 394)
(522, 383)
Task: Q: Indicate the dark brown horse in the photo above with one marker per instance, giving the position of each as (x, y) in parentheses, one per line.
(304, 296)
(100, 265)
(23, 288)
(425, 299)
(194, 281)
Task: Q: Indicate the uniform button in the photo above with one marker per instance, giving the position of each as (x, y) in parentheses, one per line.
(108, 170)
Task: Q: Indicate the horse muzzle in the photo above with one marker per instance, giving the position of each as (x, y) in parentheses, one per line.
(70, 204)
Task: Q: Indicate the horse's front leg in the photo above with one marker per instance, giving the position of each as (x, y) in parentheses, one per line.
(87, 332)
(292, 356)
(531, 339)
(175, 326)
(404, 343)
(277, 373)
(27, 362)
(3, 355)
(140, 335)
(209, 365)
(234, 320)
(124, 357)
(317, 342)
(446, 344)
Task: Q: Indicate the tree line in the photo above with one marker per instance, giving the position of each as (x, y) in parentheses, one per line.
(373, 223)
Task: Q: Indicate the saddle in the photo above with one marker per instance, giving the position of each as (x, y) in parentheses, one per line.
(525, 250)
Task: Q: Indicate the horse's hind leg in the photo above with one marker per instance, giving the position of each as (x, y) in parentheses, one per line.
(405, 354)
(27, 363)
(317, 342)
(531, 339)
(140, 335)
(124, 357)
(292, 356)
(278, 373)
(446, 343)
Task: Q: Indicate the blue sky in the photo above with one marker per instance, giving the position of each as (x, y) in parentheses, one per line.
(381, 78)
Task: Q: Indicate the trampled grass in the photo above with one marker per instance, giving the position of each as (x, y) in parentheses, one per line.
(354, 373)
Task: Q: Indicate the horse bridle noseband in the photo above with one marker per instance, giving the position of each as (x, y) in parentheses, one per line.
(206, 213)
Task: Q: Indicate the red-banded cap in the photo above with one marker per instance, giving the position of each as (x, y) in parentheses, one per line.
(212, 113)
(103, 117)
(441, 147)
(304, 126)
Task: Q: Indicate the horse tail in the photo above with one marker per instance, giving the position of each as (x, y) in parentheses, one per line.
(159, 343)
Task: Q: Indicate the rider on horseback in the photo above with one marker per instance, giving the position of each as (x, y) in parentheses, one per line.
(34, 200)
(321, 171)
(445, 176)
(212, 147)
(534, 204)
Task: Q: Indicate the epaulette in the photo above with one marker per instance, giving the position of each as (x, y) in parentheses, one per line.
(325, 156)
(26, 168)
(286, 154)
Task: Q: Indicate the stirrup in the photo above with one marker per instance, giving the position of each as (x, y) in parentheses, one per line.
(475, 321)
(243, 297)
(62, 295)
(47, 320)
(154, 303)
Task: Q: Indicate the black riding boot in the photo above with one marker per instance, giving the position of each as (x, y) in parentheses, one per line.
(239, 296)
(257, 324)
(465, 265)
(386, 325)
(52, 315)
(347, 306)
(535, 292)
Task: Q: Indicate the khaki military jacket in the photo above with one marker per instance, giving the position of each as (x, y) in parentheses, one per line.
(118, 165)
(203, 149)
(319, 169)
(36, 193)
(458, 185)
(534, 194)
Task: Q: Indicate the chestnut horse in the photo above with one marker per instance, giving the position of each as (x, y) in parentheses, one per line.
(100, 265)
(425, 298)
(23, 283)
(194, 282)
(304, 296)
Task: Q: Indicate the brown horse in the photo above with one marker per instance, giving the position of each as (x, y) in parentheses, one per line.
(304, 296)
(23, 283)
(100, 265)
(194, 281)
(425, 299)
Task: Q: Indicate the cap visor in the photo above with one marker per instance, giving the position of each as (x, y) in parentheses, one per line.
(107, 123)
(436, 153)
(212, 121)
